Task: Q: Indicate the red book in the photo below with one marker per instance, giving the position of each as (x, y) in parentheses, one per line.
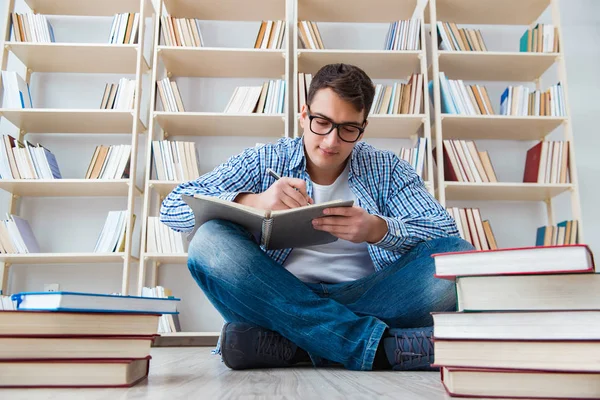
(532, 163)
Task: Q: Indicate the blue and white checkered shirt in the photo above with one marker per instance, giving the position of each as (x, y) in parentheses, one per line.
(384, 185)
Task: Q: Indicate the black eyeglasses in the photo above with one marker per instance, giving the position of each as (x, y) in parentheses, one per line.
(347, 132)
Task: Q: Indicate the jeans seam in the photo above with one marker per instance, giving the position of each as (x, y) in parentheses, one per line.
(370, 349)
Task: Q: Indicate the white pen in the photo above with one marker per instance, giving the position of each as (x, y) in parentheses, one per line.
(277, 177)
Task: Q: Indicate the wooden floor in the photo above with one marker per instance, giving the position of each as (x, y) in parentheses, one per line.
(194, 373)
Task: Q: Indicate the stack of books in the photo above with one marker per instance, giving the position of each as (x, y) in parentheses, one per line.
(73, 339)
(521, 101)
(452, 38)
(170, 96)
(473, 228)
(458, 98)
(415, 156)
(24, 160)
(527, 326)
(266, 99)
(30, 27)
(175, 160)
(183, 32)
(564, 232)
(547, 162)
(118, 96)
(16, 91)
(304, 80)
(543, 38)
(124, 28)
(404, 35)
(110, 162)
(270, 35)
(463, 162)
(16, 236)
(309, 35)
(167, 323)
(112, 237)
(163, 240)
(399, 98)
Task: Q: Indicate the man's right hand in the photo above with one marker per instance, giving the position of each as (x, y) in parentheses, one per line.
(281, 195)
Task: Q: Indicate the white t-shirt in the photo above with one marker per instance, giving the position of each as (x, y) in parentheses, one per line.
(335, 262)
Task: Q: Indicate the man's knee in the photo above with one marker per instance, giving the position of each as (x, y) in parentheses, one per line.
(449, 244)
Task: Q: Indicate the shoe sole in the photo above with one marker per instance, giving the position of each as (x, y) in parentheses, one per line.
(223, 347)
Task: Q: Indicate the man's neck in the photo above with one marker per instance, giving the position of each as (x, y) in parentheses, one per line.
(324, 177)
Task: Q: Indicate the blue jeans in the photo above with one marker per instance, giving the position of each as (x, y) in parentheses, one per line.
(340, 323)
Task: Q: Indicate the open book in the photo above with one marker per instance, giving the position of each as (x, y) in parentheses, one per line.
(279, 229)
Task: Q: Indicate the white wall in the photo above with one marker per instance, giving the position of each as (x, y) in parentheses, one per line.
(73, 224)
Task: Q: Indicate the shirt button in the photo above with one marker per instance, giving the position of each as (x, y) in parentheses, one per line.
(397, 232)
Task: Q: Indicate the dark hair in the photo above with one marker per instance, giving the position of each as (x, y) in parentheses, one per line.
(349, 82)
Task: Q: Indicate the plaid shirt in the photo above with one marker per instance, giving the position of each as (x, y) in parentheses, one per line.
(384, 185)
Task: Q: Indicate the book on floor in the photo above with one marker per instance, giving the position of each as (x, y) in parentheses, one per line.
(94, 302)
(276, 229)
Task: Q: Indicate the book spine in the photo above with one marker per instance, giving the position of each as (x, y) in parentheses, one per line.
(266, 232)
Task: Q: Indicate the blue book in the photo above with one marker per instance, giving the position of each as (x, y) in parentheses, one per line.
(94, 302)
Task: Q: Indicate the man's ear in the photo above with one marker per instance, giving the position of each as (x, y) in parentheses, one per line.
(303, 115)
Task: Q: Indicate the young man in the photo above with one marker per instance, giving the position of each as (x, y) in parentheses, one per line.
(363, 301)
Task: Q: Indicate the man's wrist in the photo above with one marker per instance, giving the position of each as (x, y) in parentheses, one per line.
(378, 230)
(247, 199)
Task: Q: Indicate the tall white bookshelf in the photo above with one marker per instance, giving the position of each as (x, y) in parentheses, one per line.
(91, 58)
(381, 65)
(212, 62)
(529, 68)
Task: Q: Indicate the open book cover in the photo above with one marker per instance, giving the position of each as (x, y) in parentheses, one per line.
(279, 229)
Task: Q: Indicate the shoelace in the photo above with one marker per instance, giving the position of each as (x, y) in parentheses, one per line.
(275, 345)
(415, 345)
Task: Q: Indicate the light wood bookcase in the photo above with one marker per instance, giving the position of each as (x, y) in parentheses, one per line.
(394, 65)
(522, 67)
(81, 58)
(209, 62)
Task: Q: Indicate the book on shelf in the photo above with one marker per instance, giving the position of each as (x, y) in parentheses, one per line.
(564, 232)
(547, 162)
(458, 98)
(543, 38)
(161, 239)
(473, 228)
(70, 373)
(463, 162)
(24, 160)
(266, 99)
(309, 35)
(17, 237)
(175, 160)
(399, 97)
(110, 162)
(416, 156)
(453, 38)
(169, 94)
(124, 28)
(31, 27)
(184, 32)
(506, 383)
(112, 236)
(270, 35)
(6, 303)
(167, 323)
(119, 96)
(304, 80)
(404, 35)
(270, 228)
(93, 302)
(521, 101)
(16, 91)
(522, 260)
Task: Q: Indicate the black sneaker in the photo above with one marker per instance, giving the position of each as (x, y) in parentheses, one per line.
(410, 349)
(246, 346)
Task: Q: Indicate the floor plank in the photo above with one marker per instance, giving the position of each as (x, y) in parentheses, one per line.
(192, 372)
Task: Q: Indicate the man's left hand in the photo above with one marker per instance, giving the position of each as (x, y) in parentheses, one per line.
(354, 224)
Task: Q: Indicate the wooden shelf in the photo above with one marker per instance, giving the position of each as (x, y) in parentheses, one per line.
(66, 187)
(504, 127)
(77, 57)
(221, 124)
(62, 258)
(227, 10)
(163, 188)
(503, 191)
(489, 12)
(356, 10)
(47, 120)
(223, 62)
(495, 66)
(84, 8)
(378, 64)
(165, 258)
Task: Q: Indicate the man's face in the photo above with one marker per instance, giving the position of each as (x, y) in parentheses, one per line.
(327, 153)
